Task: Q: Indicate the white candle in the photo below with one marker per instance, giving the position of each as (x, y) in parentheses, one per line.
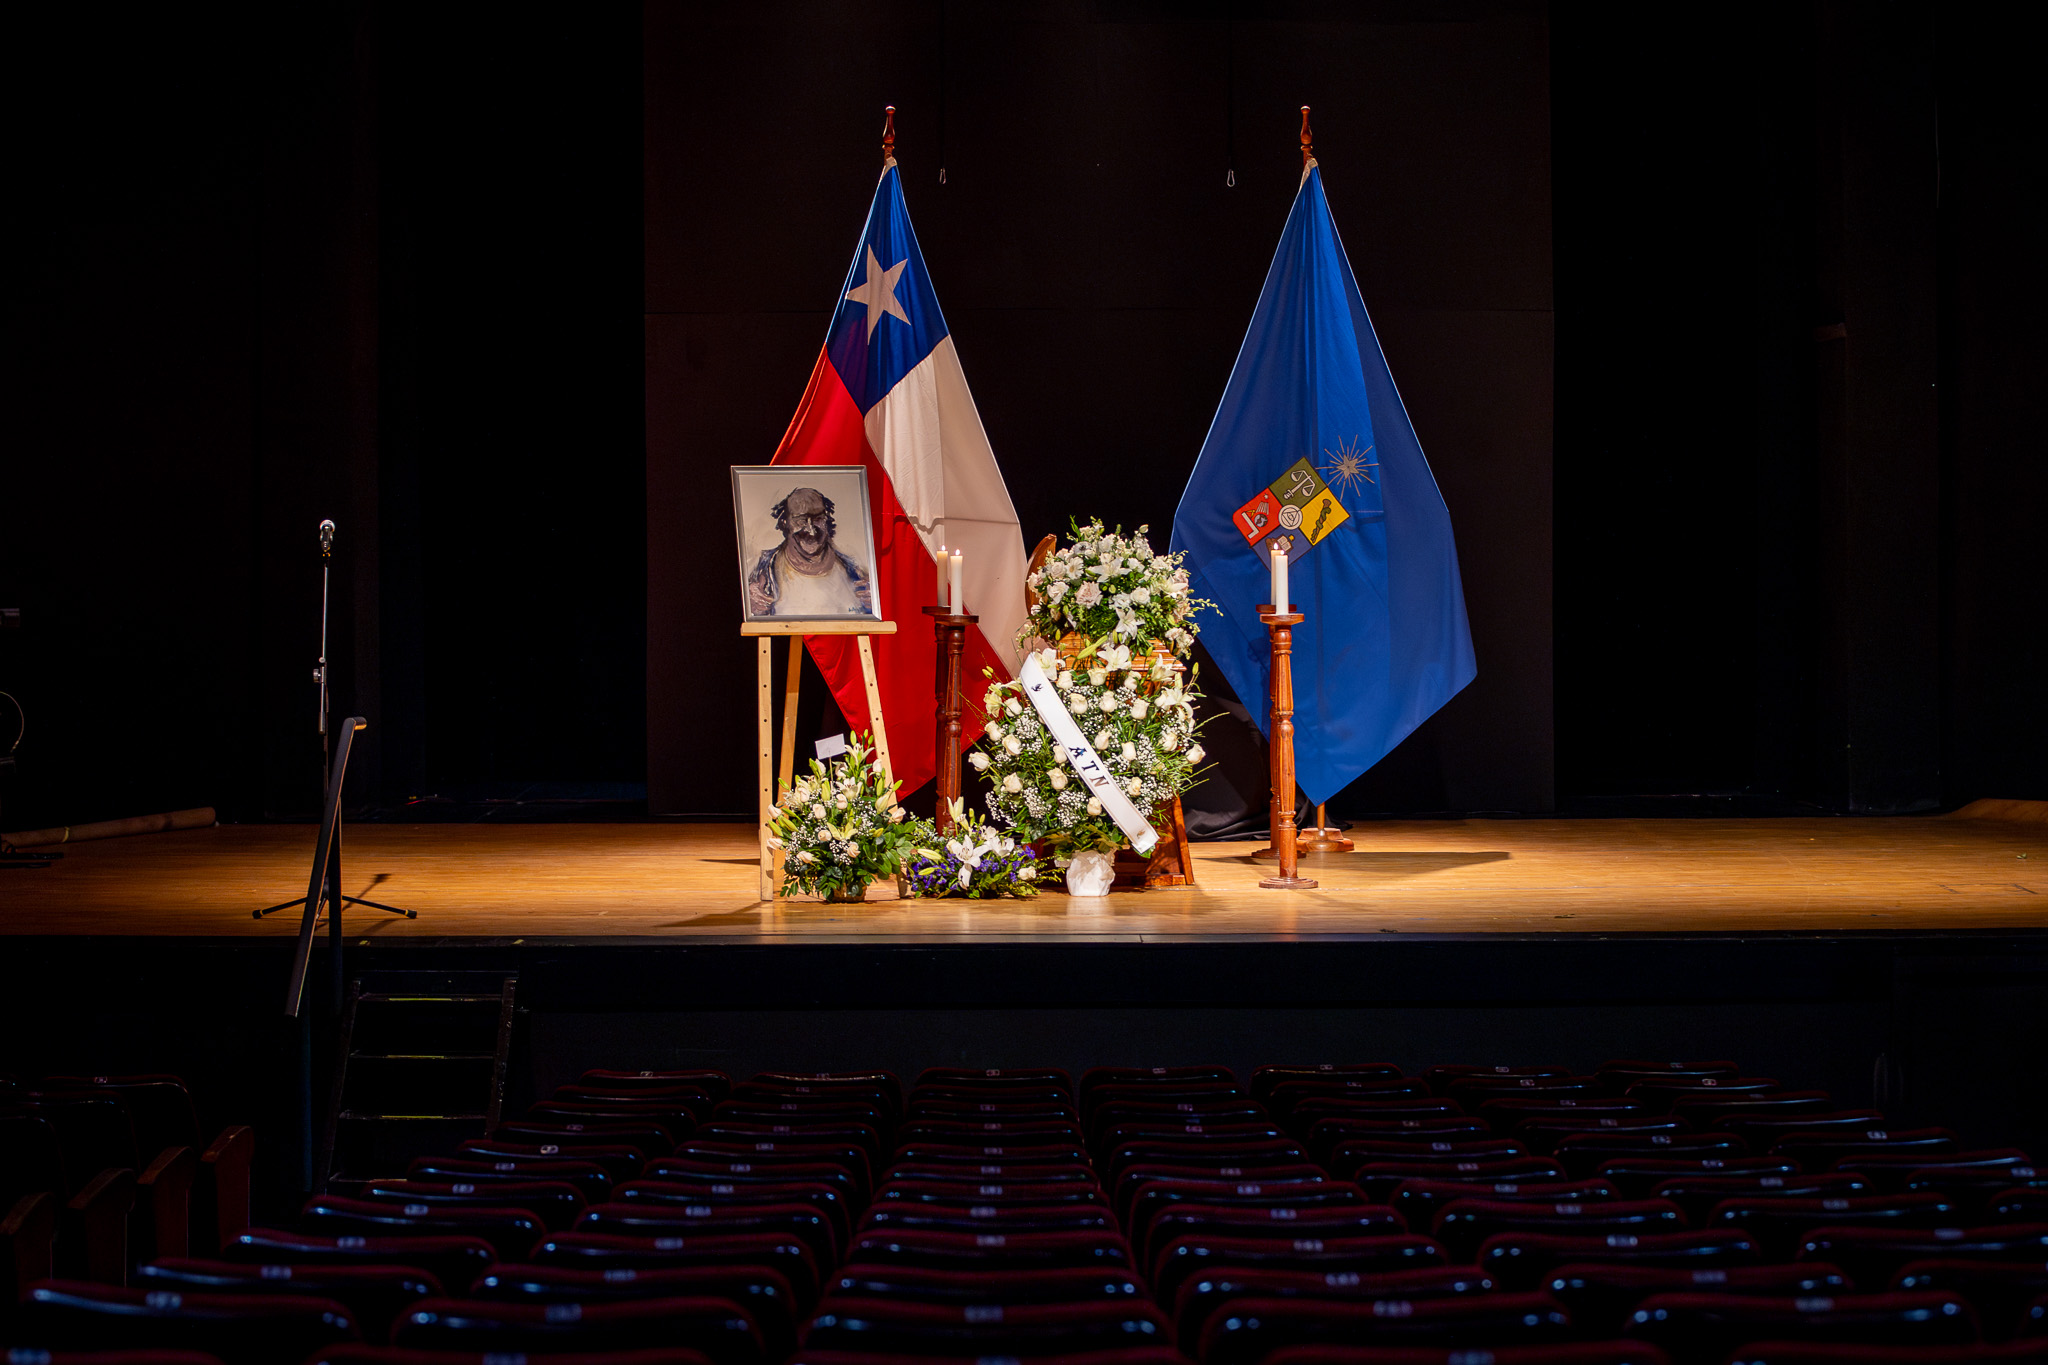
(958, 600)
(1279, 547)
(941, 564)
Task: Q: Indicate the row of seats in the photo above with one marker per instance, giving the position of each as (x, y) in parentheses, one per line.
(1309, 1215)
(99, 1171)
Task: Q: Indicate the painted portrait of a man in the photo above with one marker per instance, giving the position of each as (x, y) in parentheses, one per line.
(807, 566)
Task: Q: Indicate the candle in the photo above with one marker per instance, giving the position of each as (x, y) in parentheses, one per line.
(958, 600)
(1279, 547)
(941, 563)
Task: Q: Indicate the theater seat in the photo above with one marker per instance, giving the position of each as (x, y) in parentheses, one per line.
(1464, 1224)
(1352, 1255)
(2000, 1291)
(241, 1329)
(714, 1327)
(1250, 1330)
(35, 1355)
(1702, 1329)
(1587, 1353)
(375, 1294)
(1522, 1259)
(1202, 1296)
(789, 1257)
(763, 1295)
(510, 1231)
(450, 1260)
(1871, 1256)
(899, 1327)
(1600, 1297)
(1820, 1353)
(390, 1355)
(1136, 1355)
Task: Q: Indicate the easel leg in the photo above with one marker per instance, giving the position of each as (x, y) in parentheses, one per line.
(764, 667)
(786, 769)
(867, 674)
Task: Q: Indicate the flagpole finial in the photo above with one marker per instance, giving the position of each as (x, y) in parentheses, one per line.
(1308, 146)
(889, 135)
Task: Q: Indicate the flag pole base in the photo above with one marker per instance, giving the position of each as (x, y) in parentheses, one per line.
(1288, 883)
(1323, 837)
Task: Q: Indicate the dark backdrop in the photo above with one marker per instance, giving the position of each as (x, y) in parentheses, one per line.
(379, 265)
(1097, 270)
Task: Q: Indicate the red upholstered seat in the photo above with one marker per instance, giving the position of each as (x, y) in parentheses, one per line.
(453, 1260)
(711, 1326)
(789, 1257)
(1203, 1295)
(1702, 1329)
(1250, 1330)
(1523, 1259)
(765, 1295)
(888, 1325)
(241, 1329)
(374, 1294)
(1601, 1297)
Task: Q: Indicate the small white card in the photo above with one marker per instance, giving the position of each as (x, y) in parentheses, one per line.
(831, 746)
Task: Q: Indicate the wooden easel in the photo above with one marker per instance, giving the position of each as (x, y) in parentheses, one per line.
(796, 631)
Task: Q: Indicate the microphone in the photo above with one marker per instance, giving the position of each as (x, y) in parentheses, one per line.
(327, 537)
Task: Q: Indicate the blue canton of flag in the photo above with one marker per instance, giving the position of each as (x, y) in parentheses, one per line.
(1312, 454)
(888, 318)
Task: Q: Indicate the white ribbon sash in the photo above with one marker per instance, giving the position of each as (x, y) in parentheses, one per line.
(1083, 757)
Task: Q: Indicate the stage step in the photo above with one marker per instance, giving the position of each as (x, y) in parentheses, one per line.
(420, 1064)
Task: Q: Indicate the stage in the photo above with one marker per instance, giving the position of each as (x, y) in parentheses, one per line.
(695, 883)
(1900, 961)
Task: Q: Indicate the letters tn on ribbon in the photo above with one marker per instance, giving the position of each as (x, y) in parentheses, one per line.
(1083, 757)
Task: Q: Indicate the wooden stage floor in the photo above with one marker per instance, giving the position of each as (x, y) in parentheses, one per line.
(695, 883)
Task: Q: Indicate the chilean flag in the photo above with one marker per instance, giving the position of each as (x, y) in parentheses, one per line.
(888, 392)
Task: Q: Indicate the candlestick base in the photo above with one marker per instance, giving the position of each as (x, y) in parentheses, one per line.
(1288, 883)
(1316, 839)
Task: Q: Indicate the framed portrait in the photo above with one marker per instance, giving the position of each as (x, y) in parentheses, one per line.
(806, 544)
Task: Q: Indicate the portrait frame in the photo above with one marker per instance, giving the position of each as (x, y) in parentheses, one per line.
(757, 490)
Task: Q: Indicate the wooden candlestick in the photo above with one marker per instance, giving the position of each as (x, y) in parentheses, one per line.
(1280, 746)
(951, 630)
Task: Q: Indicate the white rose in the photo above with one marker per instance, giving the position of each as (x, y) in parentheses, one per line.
(818, 812)
(1130, 753)
(1013, 706)
(1088, 595)
(1098, 676)
(1134, 786)
(1011, 746)
(1066, 680)
(1139, 707)
(995, 730)
(807, 857)
(979, 760)
(1108, 702)
(1104, 738)
(1013, 784)
(1058, 778)
(1170, 740)
(1141, 596)
(1094, 806)
(1195, 754)
(895, 812)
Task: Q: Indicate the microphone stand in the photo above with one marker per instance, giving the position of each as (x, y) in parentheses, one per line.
(333, 896)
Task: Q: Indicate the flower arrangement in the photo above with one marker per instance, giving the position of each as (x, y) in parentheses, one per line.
(841, 827)
(977, 862)
(1105, 585)
(1135, 711)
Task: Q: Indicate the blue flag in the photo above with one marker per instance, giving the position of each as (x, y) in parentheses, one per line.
(1312, 455)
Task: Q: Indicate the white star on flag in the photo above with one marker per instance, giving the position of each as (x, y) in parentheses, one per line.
(878, 293)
